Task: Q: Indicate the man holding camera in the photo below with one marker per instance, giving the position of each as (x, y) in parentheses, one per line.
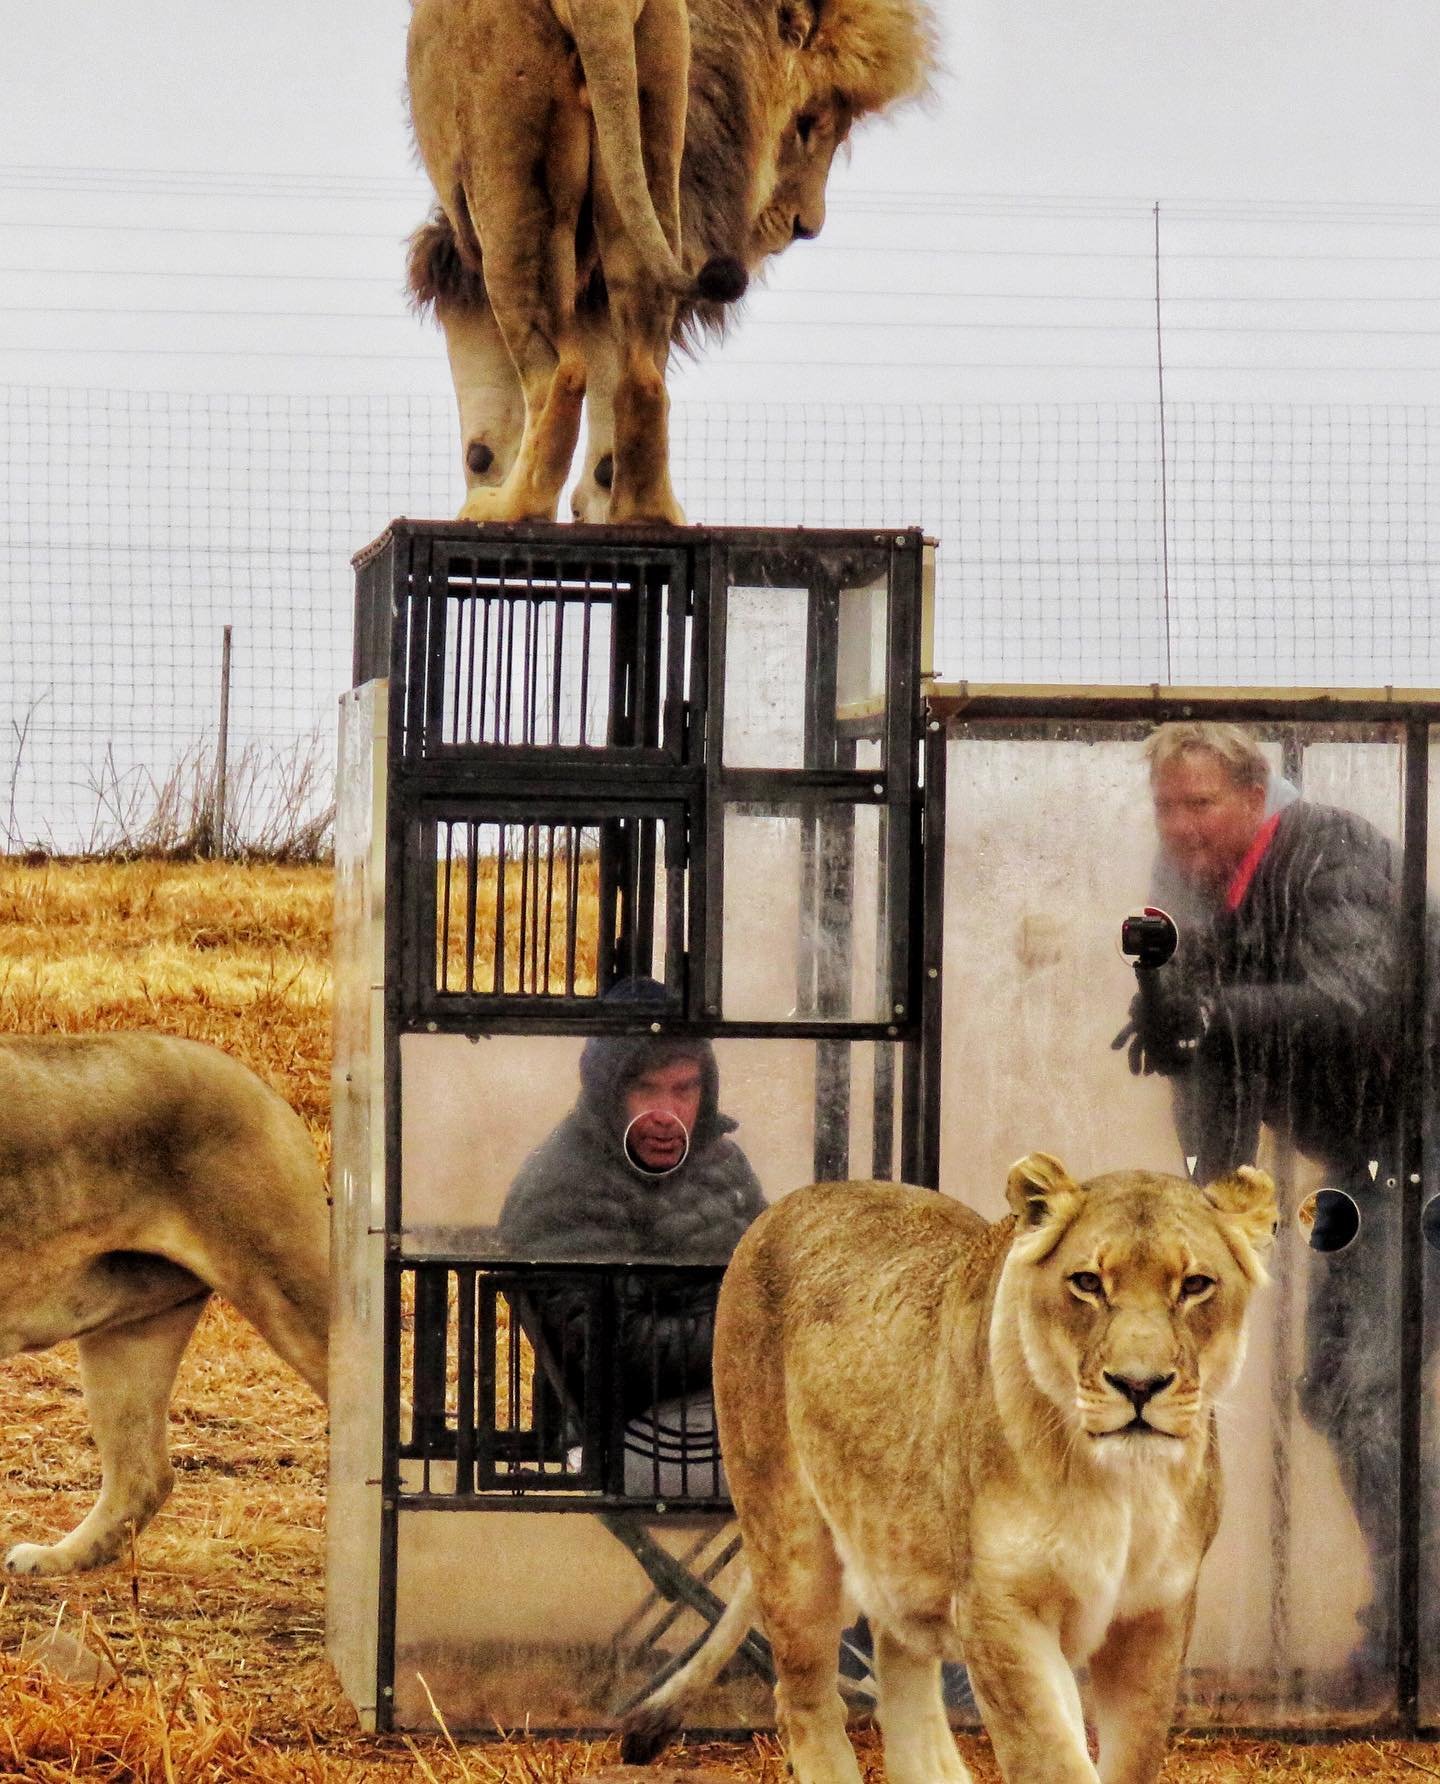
(1280, 1007)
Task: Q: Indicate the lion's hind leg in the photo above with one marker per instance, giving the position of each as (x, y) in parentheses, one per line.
(798, 1582)
(527, 239)
(487, 393)
(642, 315)
(590, 498)
(919, 1747)
(127, 1373)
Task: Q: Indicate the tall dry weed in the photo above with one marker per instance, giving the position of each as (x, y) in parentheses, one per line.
(277, 805)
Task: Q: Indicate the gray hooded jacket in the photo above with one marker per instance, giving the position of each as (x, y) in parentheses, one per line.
(578, 1196)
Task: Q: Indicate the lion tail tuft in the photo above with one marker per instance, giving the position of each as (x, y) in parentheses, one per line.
(648, 1728)
(646, 1733)
(721, 280)
(436, 269)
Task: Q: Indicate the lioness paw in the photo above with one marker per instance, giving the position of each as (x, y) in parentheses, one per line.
(37, 1558)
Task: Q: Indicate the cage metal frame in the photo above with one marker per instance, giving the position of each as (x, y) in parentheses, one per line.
(390, 637)
(667, 683)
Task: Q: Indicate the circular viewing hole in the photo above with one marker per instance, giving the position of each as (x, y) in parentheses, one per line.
(1430, 1222)
(1329, 1219)
(657, 1142)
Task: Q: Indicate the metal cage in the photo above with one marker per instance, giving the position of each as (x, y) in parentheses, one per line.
(566, 752)
(574, 758)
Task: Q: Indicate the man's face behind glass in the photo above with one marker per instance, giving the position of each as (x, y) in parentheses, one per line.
(662, 1106)
(1206, 822)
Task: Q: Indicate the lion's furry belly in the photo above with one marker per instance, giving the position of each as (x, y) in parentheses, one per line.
(58, 1299)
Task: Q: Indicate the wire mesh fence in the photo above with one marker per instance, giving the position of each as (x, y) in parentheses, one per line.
(1237, 544)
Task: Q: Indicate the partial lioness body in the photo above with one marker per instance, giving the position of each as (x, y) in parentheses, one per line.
(997, 1440)
(137, 1173)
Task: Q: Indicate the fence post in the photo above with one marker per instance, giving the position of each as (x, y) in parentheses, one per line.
(217, 840)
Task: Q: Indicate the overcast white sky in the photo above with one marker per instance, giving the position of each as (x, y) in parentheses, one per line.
(202, 199)
(198, 196)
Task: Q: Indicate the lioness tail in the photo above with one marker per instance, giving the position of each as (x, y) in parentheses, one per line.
(655, 1721)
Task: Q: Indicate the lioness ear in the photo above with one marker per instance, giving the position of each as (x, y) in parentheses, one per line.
(1040, 1189)
(1245, 1201)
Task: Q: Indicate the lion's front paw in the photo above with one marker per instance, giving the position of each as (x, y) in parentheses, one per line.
(37, 1558)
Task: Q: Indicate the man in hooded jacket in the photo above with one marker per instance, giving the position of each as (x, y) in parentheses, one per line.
(642, 1169)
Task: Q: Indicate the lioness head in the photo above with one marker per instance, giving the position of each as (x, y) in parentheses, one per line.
(1128, 1296)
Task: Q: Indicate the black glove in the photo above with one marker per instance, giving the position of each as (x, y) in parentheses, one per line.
(1167, 1024)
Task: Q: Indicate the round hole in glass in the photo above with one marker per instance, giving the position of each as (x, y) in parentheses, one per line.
(1329, 1220)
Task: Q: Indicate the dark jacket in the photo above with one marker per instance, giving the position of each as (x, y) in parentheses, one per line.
(579, 1196)
(1301, 986)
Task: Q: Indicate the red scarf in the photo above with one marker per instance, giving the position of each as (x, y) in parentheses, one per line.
(1254, 855)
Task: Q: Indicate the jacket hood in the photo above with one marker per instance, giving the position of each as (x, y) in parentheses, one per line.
(610, 1062)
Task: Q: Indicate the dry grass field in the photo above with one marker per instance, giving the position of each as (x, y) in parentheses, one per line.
(218, 1627)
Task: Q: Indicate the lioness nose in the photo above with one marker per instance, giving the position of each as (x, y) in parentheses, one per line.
(1139, 1393)
(804, 231)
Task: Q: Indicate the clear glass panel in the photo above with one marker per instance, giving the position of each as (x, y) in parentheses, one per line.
(805, 901)
(805, 675)
(765, 637)
(489, 1622)
(476, 1117)
(357, 1178)
(1051, 840)
(551, 908)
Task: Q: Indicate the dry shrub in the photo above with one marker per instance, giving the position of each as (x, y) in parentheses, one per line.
(219, 1633)
(278, 805)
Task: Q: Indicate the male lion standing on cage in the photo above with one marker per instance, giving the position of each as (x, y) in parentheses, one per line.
(999, 1440)
(536, 119)
(775, 89)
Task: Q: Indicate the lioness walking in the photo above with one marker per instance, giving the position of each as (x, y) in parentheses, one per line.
(999, 1440)
(138, 1173)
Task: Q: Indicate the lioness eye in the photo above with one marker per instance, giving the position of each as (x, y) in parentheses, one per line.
(1195, 1285)
(1086, 1282)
